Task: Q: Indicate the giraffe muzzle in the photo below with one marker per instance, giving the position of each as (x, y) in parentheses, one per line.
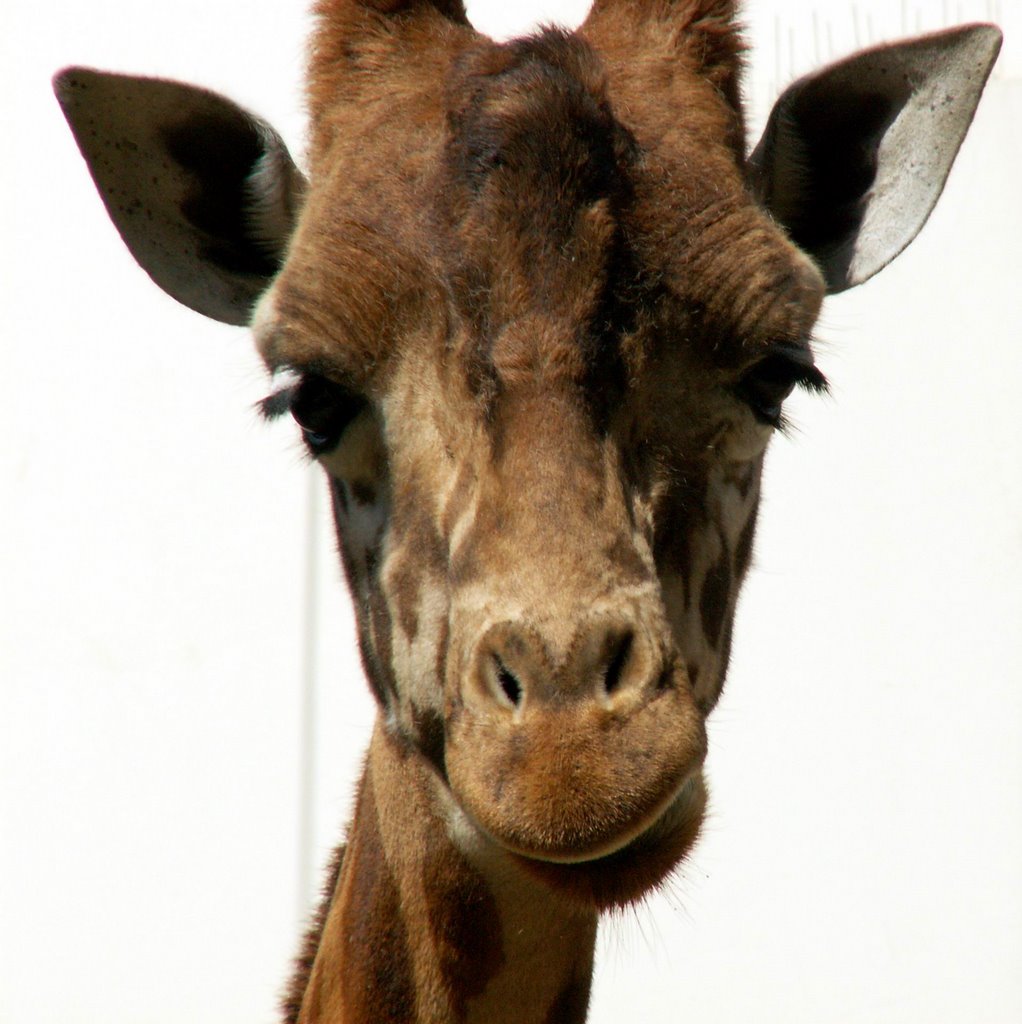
(568, 759)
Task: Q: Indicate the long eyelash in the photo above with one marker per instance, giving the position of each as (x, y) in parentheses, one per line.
(278, 402)
(807, 375)
(813, 380)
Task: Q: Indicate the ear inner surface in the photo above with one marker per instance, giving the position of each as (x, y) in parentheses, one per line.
(203, 193)
(854, 157)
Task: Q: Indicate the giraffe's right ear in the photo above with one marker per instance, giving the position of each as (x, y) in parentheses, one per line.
(204, 194)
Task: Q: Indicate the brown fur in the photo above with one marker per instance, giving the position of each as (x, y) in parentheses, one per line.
(291, 1003)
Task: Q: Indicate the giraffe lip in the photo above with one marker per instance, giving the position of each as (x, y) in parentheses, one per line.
(625, 875)
(612, 845)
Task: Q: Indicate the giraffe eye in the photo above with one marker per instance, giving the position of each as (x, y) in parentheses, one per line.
(768, 383)
(323, 409)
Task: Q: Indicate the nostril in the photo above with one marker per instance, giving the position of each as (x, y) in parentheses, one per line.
(508, 664)
(508, 683)
(615, 670)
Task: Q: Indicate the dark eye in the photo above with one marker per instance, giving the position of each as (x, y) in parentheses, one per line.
(323, 409)
(768, 383)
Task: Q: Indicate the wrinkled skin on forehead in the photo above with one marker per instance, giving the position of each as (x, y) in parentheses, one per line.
(527, 293)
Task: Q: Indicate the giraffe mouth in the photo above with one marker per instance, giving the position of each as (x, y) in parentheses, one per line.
(599, 806)
(592, 853)
(635, 867)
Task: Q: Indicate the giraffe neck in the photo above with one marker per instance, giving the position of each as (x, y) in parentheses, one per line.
(429, 922)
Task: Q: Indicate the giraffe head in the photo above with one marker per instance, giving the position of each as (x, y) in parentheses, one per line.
(536, 313)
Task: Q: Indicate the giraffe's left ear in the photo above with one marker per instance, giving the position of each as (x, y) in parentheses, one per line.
(854, 157)
(204, 194)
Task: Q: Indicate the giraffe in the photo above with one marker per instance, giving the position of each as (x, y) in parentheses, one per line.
(535, 310)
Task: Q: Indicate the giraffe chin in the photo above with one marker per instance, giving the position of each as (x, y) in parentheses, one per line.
(633, 870)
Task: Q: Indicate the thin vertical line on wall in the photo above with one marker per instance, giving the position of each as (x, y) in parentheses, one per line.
(307, 724)
(775, 86)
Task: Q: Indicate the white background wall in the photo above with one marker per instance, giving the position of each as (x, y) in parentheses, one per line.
(162, 640)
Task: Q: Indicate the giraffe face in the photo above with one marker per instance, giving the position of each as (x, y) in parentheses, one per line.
(543, 430)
